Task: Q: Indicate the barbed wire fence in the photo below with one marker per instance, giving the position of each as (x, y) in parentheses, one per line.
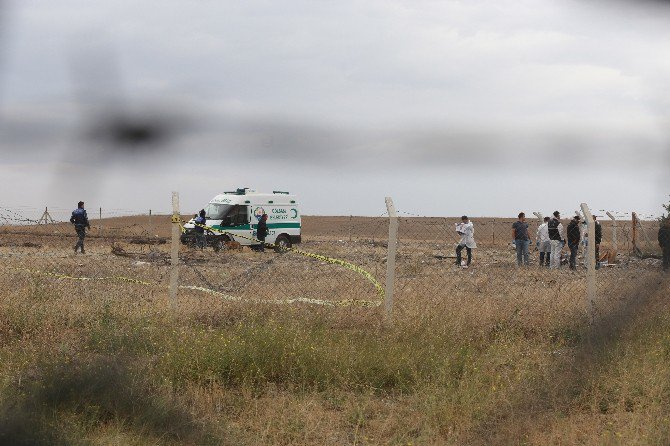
(131, 254)
(124, 256)
(431, 280)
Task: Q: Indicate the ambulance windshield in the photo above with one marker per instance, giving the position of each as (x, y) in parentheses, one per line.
(217, 211)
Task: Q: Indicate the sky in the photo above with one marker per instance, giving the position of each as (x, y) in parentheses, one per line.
(485, 108)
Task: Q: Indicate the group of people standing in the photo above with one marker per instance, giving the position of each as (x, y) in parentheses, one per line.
(550, 238)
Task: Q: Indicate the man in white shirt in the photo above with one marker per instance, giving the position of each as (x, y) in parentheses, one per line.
(467, 231)
(543, 242)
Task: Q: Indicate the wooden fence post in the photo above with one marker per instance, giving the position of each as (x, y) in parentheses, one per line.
(174, 258)
(590, 261)
(390, 260)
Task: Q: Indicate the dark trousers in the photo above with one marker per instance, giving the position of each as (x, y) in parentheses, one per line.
(200, 240)
(459, 248)
(573, 255)
(261, 247)
(544, 261)
(666, 258)
(81, 234)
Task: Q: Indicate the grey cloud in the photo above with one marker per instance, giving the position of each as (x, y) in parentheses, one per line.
(336, 86)
(229, 136)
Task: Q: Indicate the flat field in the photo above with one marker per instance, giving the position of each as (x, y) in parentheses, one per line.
(267, 348)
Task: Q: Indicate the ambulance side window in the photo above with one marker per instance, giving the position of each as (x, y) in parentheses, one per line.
(240, 215)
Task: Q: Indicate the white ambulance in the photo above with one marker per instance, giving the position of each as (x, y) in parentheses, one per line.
(237, 214)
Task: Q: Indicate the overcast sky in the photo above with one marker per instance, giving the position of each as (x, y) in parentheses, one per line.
(450, 107)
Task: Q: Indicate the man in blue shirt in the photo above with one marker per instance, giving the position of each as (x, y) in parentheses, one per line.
(200, 221)
(80, 221)
(521, 239)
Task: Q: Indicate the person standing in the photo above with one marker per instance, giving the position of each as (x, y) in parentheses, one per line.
(467, 231)
(543, 242)
(521, 239)
(262, 231)
(80, 221)
(597, 239)
(664, 242)
(200, 223)
(555, 229)
(574, 235)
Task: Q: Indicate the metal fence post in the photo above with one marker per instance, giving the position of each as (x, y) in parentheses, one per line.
(614, 241)
(174, 258)
(590, 261)
(390, 259)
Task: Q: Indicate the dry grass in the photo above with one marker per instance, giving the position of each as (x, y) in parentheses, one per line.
(488, 355)
(87, 369)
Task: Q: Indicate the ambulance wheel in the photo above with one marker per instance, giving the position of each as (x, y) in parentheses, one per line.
(283, 243)
(220, 243)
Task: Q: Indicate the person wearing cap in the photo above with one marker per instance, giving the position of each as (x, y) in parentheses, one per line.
(80, 221)
(521, 239)
(467, 232)
(574, 236)
(544, 242)
(555, 230)
(200, 222)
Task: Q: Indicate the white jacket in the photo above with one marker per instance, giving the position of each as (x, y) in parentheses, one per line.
(468, 234)
(543, 233)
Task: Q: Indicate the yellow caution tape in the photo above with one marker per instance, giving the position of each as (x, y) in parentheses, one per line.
(177, 220)
(328, 303)
(331, 260)
(342, 303)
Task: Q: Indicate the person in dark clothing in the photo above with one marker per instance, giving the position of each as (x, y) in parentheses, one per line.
(521, 240)
(664, 242)
(598, 238)
(200, 221)
(574, 236)
(262, 231)
(80, 221)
